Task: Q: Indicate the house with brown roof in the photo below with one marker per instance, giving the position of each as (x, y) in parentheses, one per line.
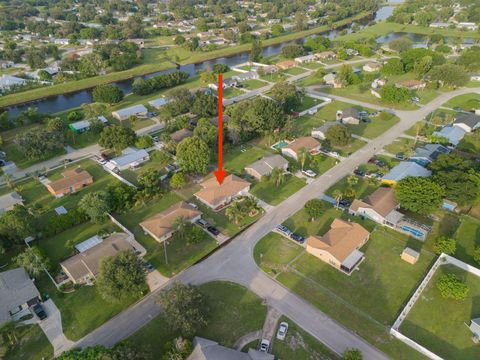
(83, 267)
(217, 196)
(371, 67)
(307, 142)
(73, 180)
(180, 135)
(340, 246)
(162, 225)
(411, 84)
(380, 207)
(326, 55)
(286, 64)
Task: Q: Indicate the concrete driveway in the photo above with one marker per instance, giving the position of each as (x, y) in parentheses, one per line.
(52, 327)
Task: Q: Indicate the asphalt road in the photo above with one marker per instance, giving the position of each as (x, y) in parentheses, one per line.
(234, 262)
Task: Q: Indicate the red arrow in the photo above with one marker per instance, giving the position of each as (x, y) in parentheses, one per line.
(220, 173)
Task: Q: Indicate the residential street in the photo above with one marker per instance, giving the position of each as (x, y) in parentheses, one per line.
(234, 262)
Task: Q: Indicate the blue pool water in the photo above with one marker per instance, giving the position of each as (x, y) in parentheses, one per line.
(279, 145)
(412, 231)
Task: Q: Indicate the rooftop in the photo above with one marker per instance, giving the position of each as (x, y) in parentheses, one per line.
(265, 165)
(70, 178)
(214, 193)
(381, 200)
(406, 169)
(306, 142)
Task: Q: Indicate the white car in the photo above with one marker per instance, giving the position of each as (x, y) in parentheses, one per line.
(264, 345)
(282, 330)
(309, 173)
(335, 154)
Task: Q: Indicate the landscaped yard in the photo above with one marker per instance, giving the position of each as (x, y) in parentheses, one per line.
(254, 84)
(402, 146)
(377, 126)
(363, 187)
(179, 254)
(272, 194)
(440, 324)
(320, 163)
(366, 302)
(236, 159)
(158, 160)
(466, 102)
(233, 312)
(32, 345)
(231, 92)
(294, 71)
(275, 77)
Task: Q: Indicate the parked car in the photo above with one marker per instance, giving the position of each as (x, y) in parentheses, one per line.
(193, 205)
(309, 173)
(400, 156)
(344, 204)
(359, 172)
(284, 230)
(297, 238)
(155, 139)
(335, 154)
(264, 345)
(170, 168)
(415, 99)
(39, 311)
(202, 223)
(213, 230)
(149, 267)
(282, 330)
(105, 156)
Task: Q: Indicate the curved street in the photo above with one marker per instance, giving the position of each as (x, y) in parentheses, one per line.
(234, 262)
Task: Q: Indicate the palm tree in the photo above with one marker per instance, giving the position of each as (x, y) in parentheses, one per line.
(277, 177)
(180, 225)
(9, 330)
(8, 178)
(235, 212)
(302, 156)
(352, 180)
(337, 195)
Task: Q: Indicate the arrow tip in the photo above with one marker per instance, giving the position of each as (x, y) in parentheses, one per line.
(220, 175)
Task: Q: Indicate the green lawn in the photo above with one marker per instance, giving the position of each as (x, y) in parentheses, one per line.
(401, 146)
(300, 345)
(32, 345)
(21, 161)
(82, 310)
(275, 77)
(312, 65)
(158, 160)
(294, 71)
(470, 143)
(254, 84)
(366, 302)
(274, 195)
(307, 103)
(231, 92)
(180, 255)
(468, 238)
(320, 163)
(377, 126)
(363, 187)
(467, 102)
(233, 312)
(236, 159)
(439, 324)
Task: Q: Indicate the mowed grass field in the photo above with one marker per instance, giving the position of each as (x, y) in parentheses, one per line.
(440, 324)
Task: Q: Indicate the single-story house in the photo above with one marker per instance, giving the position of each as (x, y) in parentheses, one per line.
(17, 293)
(124, 114)
(349, 116)
(72, 181)
(286, 64)
(80, 126)
(339, 246)
(331, 79)
(326, 55)
(162, 225)
(131, 158)
(305, 59)
(352, 52)
(404, 170)
(269, 69)
(475, 329)
(381, 207)
(475, 77)
(8, 81)
(83, 267)
(467, 121)
(158, 103)
(426, 154)
(265, 165)
(180, 135)
(307, 142)
(217, 196)
(468, 26)
(441, 25)
(250, 75)
(410, 256)
(371, 67)
(8, 201)
(204, 349)
(411, 84)
(321, 132)
(454, 134)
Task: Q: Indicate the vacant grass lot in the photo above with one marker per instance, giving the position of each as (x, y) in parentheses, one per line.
(402, 146)
(468, 239)
(377, 126)
(466, 102)
(274, 77)
(233, 312)
(32, 344)
(439, 324)
(254, 84)
(366, 302)
(272, 194)
(294, 71)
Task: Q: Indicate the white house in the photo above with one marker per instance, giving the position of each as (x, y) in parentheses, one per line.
(305, 59)
(320, 132)
(307, 142)
(131, 159)
(158, 103)
(8, 81)
(467, 121)
(124, 114)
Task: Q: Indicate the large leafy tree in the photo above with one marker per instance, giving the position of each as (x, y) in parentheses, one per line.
(121, 277)
(419, 194)
(263, 115)
(394, 95)
(117, 137)
(32, 260)
(204, 104)
(206, 131)
(445, 245)
(450, 75)
(338, 135)
(287, 95)
(150, 182)
(181, 101)
(184, 308)
(315, 208)
(39, 143)
(17, 224)
(96, 205)
(109, 94)
(193, 155)
(292, 51)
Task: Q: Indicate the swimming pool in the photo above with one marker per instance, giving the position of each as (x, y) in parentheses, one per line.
(414, 232)
(279, 145)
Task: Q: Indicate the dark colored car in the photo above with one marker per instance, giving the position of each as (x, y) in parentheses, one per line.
(297, 238)
(213, 230)
(359, 172)
(344, 204)
(202, 223)
(105, 157)
(38, 310)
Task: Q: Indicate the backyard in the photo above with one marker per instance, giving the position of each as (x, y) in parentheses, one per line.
(274, 195)
(439, 324)
(158, 160)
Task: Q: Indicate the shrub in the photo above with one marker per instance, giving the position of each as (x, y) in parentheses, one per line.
(451, 287)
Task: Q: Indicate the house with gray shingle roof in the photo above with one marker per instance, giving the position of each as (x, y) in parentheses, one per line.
(265, 165)
(204, 349)
(426, 154)
(17, 293)
(454, 134)
(467, 121)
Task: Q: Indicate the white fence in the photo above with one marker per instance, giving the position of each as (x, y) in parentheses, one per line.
(125, 181)
(443, 259)
(131, 238)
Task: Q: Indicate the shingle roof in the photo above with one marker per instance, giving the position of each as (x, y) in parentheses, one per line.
(70, 178)
(381, 200)
(214, 193)
(163, 222)
(16, 288)
(430, 151)
(454, 134)
(306, 142)
(468, 119)
(204, 349)
(88, 262)
(132, 110)
(341, 240)
(130, 157)
(350, 112)
(181, 134)
(405, 169)
(265, 165)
